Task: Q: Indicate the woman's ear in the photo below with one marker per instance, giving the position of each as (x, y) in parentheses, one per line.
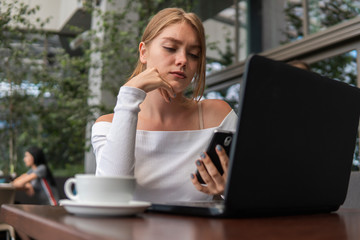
(142, 51)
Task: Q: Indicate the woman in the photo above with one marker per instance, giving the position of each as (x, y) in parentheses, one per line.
(155, 132)
(38, 182)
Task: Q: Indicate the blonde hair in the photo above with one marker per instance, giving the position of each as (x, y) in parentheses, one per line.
(165, 18)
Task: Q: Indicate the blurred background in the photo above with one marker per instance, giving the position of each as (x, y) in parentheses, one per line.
(63, 61)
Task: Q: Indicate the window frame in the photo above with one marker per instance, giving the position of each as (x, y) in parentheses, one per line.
(330, 42)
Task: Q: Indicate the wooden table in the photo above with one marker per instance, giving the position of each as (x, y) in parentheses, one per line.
(48, 222)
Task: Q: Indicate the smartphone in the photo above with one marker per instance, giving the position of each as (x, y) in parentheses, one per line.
(223, 138)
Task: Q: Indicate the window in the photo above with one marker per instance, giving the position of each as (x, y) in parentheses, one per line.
(326, 13)
(226, 37)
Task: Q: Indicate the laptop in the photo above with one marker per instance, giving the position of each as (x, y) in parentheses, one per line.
(293, 149)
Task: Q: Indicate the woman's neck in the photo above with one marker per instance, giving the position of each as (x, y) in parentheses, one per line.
(157, 114)
(155, 105)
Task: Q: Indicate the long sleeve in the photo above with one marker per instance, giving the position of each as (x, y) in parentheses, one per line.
(114, 148)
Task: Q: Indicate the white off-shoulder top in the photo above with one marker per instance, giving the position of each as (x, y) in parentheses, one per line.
(161, 161)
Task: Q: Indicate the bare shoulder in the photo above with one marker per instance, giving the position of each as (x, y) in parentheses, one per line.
(105, 118)
(214, 111)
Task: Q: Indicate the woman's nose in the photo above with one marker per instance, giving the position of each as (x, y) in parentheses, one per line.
(181, 59)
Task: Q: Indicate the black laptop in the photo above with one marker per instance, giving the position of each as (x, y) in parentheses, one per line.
(293, 149)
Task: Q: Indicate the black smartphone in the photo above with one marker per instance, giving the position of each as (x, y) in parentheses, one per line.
(223, 138)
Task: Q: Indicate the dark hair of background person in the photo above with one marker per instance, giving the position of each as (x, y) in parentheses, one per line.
(300, 64)
(39, 158)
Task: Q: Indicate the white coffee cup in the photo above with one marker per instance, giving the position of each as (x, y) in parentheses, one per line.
(100, 189)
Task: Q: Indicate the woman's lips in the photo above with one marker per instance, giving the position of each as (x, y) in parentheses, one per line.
(178, 74)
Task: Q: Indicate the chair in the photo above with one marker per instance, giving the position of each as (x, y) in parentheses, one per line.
(353, 195)
(7, 195)
(60, 181)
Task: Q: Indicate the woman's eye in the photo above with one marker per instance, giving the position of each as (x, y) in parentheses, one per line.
(169, 49)
(194, 56)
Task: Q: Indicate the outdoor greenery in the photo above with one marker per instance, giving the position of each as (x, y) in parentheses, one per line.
(45, 92)
(44, 97)
(322, 14)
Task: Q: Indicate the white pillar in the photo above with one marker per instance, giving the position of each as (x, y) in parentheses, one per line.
(95, 77)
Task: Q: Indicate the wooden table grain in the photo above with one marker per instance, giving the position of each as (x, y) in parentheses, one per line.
(53, 222)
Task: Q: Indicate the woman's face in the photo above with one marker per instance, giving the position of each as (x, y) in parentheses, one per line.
(28, 159)
(175, 53)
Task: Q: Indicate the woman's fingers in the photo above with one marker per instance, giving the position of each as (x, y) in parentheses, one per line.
(165, 95)
(166, 88)
(224, 159)
(212, 170)
(203, 171)
(199, 186)
(215, 183)
(149, 80)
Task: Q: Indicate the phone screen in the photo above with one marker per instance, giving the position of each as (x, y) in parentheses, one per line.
(223, 138)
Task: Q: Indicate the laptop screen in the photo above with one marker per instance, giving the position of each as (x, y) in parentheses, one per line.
(295, 139)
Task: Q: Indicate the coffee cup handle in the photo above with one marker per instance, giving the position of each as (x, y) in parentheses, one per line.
(68, 189)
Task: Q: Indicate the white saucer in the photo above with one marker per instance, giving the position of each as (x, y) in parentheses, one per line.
(98, 209)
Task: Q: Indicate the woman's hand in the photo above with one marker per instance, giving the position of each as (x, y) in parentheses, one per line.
(215, 183)
(21, 181)
(150, 80)
(29, 190)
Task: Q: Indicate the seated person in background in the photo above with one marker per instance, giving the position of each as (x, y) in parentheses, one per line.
(156, 133)
(38, 182)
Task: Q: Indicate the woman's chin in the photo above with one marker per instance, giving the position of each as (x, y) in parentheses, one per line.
(178, 88)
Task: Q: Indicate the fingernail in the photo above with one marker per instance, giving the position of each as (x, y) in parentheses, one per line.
(198, 162)
(192, 176)
(218, 147)
(203, 155)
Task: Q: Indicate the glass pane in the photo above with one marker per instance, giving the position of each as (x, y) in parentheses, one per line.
(342, 68)
(220, 37)
(294, 14)
(327, 13)
(322, 14)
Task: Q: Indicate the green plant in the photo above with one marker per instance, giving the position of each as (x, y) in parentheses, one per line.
(45, 102)
(17, 60)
